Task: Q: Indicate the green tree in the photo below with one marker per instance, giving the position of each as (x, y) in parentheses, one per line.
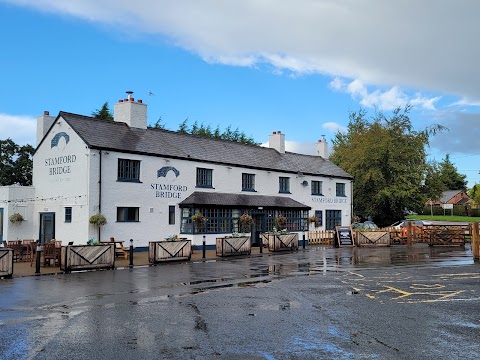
(183, 128)
(387, 158)
(104, 113)
(433, 185)
(158, 124)
(474, 194)
(451, 178)
(15, 163)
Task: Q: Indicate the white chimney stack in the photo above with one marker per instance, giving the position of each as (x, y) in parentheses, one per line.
(132, 113)
(44, 122)
(322, 148)
(277, 141)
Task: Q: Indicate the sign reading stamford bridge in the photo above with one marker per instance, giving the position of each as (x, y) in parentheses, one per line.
(168, 191)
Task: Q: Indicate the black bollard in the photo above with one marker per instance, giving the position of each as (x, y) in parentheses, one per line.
(37, 257)
(304, 240)
(131, 252)
(260, 245)
(204, 246)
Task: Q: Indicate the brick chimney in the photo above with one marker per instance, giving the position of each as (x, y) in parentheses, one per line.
(131, 112)
(277, 141)
(322, 148)
(44, 122)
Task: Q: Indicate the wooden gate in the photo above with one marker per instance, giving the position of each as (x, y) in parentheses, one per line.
(228, 246)
(281, 242)
(373, 238)
(446, 235)
(6, 262)
(87, 257)
(160, 251)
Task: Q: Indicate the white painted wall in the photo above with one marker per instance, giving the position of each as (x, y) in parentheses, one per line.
(61, 178)
(77, 186)
(17, 199)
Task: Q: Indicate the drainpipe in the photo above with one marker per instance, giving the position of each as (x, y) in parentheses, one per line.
(100, 189)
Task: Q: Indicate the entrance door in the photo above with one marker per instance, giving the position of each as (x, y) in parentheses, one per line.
(47, 227)
(258, 228)
(1, 225)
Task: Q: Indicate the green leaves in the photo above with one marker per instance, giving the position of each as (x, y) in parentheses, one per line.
(15, 163)
(387, 158)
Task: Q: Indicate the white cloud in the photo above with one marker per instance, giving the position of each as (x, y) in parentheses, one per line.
(384, 100)
(21, 129)
(411, 44)
(334, 127)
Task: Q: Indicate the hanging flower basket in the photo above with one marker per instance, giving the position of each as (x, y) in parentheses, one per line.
(16, 217)
(199, 219)
(245, 222)
(98, 219)
(314, 220)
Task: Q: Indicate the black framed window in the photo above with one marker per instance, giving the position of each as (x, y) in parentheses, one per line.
(319, 215)
(127, 214)
(316, 187)
(332, 218)
(226, 220)
(171, 215)
(68, 214)
(340, 189)
(248, 182)
(284, 184)
(128, 170)
(204, 177)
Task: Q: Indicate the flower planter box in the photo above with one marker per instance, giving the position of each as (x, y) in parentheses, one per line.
(282, 242)
(87, 257)
(373, 238)
(230, 246)
(160, 251)
(6, 262)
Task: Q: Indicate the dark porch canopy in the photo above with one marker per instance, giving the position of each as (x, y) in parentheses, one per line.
(199, 199)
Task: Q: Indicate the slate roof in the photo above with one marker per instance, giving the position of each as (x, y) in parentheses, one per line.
(448, 195)
(199, 198)
(117, 136)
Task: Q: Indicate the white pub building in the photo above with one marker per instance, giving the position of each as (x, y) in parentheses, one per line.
(148, 183)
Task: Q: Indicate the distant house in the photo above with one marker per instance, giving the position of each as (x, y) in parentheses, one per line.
(455, 197)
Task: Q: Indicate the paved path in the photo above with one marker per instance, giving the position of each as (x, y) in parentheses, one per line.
(320, 303)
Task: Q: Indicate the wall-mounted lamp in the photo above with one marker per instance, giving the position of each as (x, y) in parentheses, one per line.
(305, 183)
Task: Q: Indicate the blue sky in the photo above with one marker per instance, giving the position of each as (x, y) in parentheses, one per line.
(298, 66)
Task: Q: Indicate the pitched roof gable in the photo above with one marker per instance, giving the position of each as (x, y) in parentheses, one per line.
(116, 136)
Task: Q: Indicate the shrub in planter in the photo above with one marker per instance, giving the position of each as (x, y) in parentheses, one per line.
(280, 222)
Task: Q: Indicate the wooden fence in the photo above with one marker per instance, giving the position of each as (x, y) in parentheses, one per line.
(323, 237)
(433, 235)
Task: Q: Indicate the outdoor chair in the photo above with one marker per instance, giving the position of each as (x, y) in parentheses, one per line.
(50, 253)
(120, 250)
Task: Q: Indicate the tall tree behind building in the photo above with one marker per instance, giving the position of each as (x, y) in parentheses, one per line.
(387, 158)
(15, 163)
(451, 178)
(104, 113)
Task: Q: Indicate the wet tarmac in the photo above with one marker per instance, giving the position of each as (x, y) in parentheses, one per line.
(319, 303)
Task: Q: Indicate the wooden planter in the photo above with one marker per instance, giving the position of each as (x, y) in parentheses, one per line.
(282, 242)
(230, 246)
(6, 262)
(373, 238)
(160, 251)
(87, 257)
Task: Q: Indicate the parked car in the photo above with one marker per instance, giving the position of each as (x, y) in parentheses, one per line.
(366, 225)
(417, 226)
